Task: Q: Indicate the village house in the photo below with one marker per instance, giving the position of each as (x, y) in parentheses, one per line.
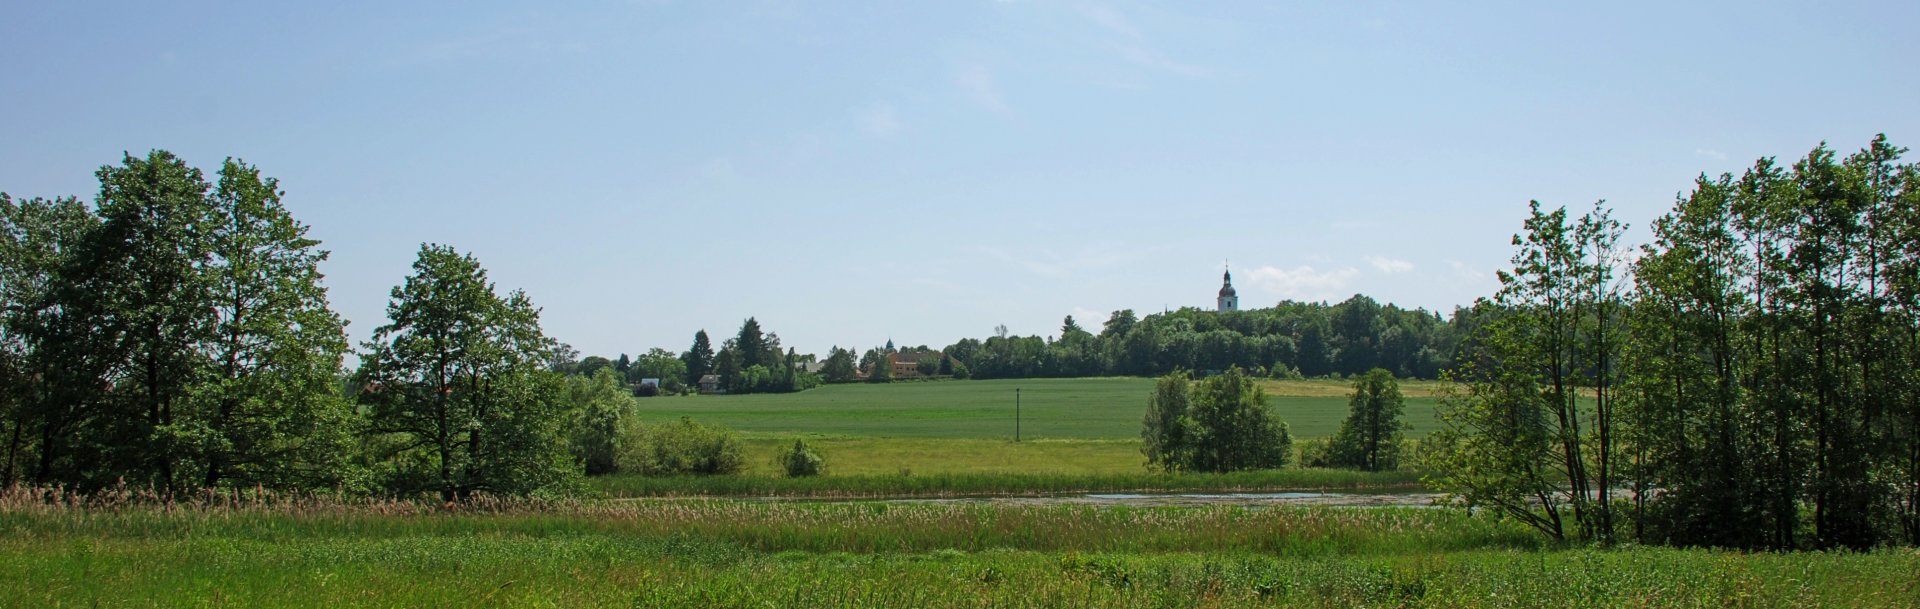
(906, 364)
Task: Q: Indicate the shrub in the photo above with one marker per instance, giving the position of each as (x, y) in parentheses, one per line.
(1283, 372)
(683, 448)
(801, 461)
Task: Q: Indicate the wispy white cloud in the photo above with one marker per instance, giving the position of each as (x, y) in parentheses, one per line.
(878, 119)
(1132, 45)
(1711, 154)
(1389, 265)
(1466, 272)
(978, 83)
(1303, 282)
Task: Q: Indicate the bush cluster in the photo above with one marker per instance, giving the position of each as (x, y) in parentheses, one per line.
(679, 449)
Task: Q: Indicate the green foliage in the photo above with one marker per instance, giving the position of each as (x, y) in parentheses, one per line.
(1527, 446)
(678, 449)
(1772, 358)
(1233, 428)
(839, 366)
(801, 461)
(661, 364)
(177, 339)
(40, 346)
(699, 358)
(1313, 338)
(1371, 436)
(1220, 424)
(1163, 433)
(458, 379)
(595, 405)
(876, 365)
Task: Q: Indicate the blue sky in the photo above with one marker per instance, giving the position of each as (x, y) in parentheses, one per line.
(923, 171)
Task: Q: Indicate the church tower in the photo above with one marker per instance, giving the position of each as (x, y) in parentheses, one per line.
(1229, 299)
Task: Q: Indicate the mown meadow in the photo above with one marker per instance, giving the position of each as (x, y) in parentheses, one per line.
(1090, 408)
(732, 553)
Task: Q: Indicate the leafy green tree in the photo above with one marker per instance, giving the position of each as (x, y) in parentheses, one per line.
(1524, 443)
(699, 358)
(1233, 427)
(1219, 424)
(1165, 430)
(874, 362)
(661, 364)
(458, 383)
(839, 367)
(594, 407)
(145, 274)
(590, 365)
(267, 413)
(1371, 436)
(38, 243)
(179, 339)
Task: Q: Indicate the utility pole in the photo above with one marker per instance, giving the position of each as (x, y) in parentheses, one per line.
(1016, 414)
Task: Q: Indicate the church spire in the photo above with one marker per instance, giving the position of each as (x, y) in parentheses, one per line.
(1229, 299)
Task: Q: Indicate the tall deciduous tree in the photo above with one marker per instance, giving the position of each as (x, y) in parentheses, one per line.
(1165, 430)
(1370, 437)
(269, 414)
(459, 385)
(147, 270)
(1525, 444)
(38, 241)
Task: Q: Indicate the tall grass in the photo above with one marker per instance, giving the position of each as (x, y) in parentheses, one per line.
(313, 552)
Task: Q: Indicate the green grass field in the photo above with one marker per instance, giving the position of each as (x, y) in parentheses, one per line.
(1099, 408)
(1072, 429)
(706, 553)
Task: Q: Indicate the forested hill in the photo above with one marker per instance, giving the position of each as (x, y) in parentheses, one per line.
(1291, 338)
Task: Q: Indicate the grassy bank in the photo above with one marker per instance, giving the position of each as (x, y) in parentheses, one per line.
(749, 554)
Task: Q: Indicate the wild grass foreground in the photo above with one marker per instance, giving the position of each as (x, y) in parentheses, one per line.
(271, 551)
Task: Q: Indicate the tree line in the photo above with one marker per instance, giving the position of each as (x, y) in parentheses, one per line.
(1750, 379)
(1290, 339)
